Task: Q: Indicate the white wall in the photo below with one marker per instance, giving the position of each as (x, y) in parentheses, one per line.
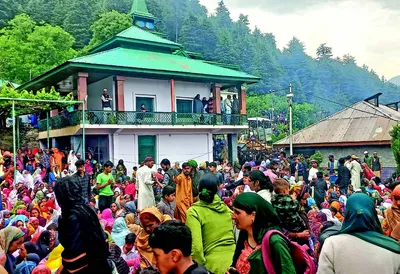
(160, 89)
(190, 90)
(125, 149)
(140, 87)
(175, 147)
(183, 147)
(95, 90)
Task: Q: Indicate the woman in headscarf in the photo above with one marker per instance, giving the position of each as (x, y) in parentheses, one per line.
(80, 232)
(35, 212)
(261, 184)
(130, 220)
(27, 266)
(25, 249)
(254, 217)
(209, 220)
(39, 196)
(41, 269)
(360, 239)
(10, 240)
(116, 210)
(34, 229)
(107, 219)
(391, 223)
(71, 161)
(367, 172)
(150, 218)
(119, 231)
(45, 244)
(121, 170)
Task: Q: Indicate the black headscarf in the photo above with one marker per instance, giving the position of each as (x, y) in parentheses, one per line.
(266, 219)
(92, 238)
(43, 244)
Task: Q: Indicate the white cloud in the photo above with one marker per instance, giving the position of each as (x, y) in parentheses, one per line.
(365, 29)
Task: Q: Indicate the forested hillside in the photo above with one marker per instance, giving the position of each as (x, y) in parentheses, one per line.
(28, 49)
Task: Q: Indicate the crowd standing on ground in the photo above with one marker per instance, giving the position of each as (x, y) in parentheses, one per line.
(62, 214)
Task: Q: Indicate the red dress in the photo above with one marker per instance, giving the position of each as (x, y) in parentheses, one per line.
(242, 264)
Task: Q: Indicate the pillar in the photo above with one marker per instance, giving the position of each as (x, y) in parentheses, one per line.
(82, 87)
(173, 101)
(232, 147)
(53, 112)
(242, 101)
(216, 90)
(120, 93)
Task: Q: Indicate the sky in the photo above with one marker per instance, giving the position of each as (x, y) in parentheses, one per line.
(365, 29)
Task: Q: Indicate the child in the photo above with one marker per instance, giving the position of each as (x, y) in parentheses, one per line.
(286, 207)
(165, 205)
(130, 254)
(172, 245)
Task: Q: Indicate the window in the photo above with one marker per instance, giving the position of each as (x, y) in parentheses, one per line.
(184, 105)
(146, 147)
(148, 102)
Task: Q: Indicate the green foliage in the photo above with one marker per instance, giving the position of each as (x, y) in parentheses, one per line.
(27, 48)
(303, 113)
(79, 17)
(317, 157)
(26, 107)
(108, 25)
(395, 133)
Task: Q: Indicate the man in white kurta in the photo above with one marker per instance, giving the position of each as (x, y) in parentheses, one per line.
(355, 171)
(144, 179)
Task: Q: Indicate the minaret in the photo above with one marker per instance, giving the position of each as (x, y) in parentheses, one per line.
(141, 16)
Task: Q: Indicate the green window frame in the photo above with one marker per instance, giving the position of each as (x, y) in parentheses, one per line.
(184, 106)
(146, 147)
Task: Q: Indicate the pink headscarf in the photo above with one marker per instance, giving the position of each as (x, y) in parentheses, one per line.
(107, 218)
(41, 269)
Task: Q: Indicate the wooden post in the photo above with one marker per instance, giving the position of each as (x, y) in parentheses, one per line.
(82, 87)
(242, 101)
(172, 85)
(216, 90)
(120, 92)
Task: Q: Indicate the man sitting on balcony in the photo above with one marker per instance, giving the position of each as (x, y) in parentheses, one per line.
(106, 100)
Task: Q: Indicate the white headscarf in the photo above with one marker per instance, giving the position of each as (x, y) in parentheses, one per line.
(71, 161)
(330, 218)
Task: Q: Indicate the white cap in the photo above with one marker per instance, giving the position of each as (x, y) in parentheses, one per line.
(365, 152)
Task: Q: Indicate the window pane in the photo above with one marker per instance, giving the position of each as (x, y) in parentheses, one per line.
(184, 106)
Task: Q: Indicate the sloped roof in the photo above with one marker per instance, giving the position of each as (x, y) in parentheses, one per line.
(361, 123)
(161, 63)
(136, 33)
(11, 84)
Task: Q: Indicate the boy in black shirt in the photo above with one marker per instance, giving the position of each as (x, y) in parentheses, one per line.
(172, 245)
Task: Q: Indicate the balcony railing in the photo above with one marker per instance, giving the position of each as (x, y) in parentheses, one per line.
(100, 117)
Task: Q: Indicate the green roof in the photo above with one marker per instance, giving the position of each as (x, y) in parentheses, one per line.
(136, 33)
(161, 64)
(139, 7)
(136, 37)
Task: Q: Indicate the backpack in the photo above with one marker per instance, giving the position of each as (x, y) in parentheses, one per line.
(302, 261)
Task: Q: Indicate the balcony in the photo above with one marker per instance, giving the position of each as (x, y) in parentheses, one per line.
(122, 118)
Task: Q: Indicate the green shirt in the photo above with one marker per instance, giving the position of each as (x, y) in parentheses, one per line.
(103, 179)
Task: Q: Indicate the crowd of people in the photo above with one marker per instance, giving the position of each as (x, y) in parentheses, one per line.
(279, 215)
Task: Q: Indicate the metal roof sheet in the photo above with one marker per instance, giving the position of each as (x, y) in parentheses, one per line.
(361, 122)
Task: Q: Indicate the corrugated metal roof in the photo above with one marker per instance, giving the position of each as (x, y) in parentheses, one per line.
(361, 122)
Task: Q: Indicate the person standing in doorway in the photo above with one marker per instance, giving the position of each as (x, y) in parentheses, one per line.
(106, 100)
(144, 178)
(376, 165)
(104, 181)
